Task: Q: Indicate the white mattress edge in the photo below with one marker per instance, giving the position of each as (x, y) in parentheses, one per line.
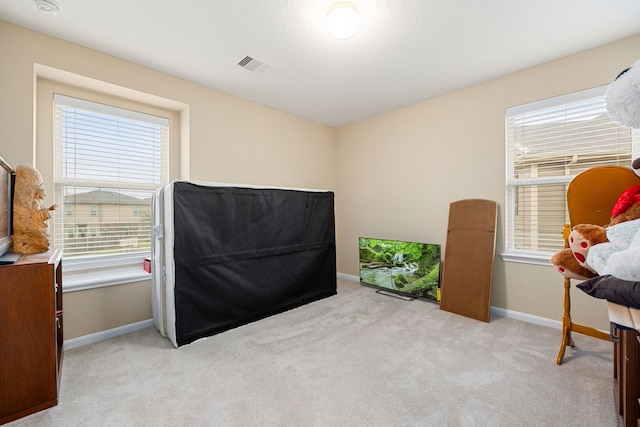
(170, 306)
(261, 187)
(157, 294)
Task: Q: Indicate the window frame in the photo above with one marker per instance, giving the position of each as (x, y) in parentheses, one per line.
(90, 122)
(94, 272)
(511, 254)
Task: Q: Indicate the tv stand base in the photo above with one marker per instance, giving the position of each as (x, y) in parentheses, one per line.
(395, 295)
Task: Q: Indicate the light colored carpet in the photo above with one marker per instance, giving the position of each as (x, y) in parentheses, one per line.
(355, 359)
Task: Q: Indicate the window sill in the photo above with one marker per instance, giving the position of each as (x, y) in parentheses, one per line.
(536, 258)
(99, 279)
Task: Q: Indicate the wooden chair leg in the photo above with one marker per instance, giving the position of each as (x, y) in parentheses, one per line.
(566, 322)
(567, 340)
(568, 326)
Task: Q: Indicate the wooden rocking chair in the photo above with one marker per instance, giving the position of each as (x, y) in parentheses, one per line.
(591, 196)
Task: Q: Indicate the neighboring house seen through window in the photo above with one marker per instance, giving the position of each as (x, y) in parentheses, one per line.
(548, 143)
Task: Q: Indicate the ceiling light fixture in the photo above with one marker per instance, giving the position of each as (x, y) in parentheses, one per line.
(342, 20)
(48, 6)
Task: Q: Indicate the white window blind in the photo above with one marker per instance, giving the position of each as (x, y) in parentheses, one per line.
(107, 162)
(548, 143)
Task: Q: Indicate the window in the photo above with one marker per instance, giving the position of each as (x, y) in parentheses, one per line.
(548, 142)
(107, 163)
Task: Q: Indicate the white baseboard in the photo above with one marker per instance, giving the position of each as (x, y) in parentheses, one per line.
(348, 277)
(501, 312)
(105, 335)
(134, 327)
(525, 317)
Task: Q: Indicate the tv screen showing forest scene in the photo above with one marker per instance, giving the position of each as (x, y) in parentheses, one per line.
(409, 268)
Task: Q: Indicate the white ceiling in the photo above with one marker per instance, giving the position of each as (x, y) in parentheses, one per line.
(406, 51)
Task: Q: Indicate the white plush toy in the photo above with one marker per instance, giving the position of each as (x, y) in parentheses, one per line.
(620, 257)
(626, 264)
(623, 97)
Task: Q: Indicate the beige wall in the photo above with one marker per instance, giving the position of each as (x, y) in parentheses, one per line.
(398, 173)
(394, 175)
(227, 139)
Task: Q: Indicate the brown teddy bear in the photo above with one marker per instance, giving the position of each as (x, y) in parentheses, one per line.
(568, 266)
(572, 261)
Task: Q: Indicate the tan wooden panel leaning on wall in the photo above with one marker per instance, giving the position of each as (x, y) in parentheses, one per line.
(468, 259)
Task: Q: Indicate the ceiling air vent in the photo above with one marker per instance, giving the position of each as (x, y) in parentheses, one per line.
(252, 64)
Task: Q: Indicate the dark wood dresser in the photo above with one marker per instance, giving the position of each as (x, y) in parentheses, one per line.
(625, 322)
(30, 334)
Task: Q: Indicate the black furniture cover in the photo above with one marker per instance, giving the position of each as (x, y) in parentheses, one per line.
(241, 254)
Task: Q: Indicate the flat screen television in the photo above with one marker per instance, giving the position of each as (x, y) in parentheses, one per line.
(400, 267)
(7, 179)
